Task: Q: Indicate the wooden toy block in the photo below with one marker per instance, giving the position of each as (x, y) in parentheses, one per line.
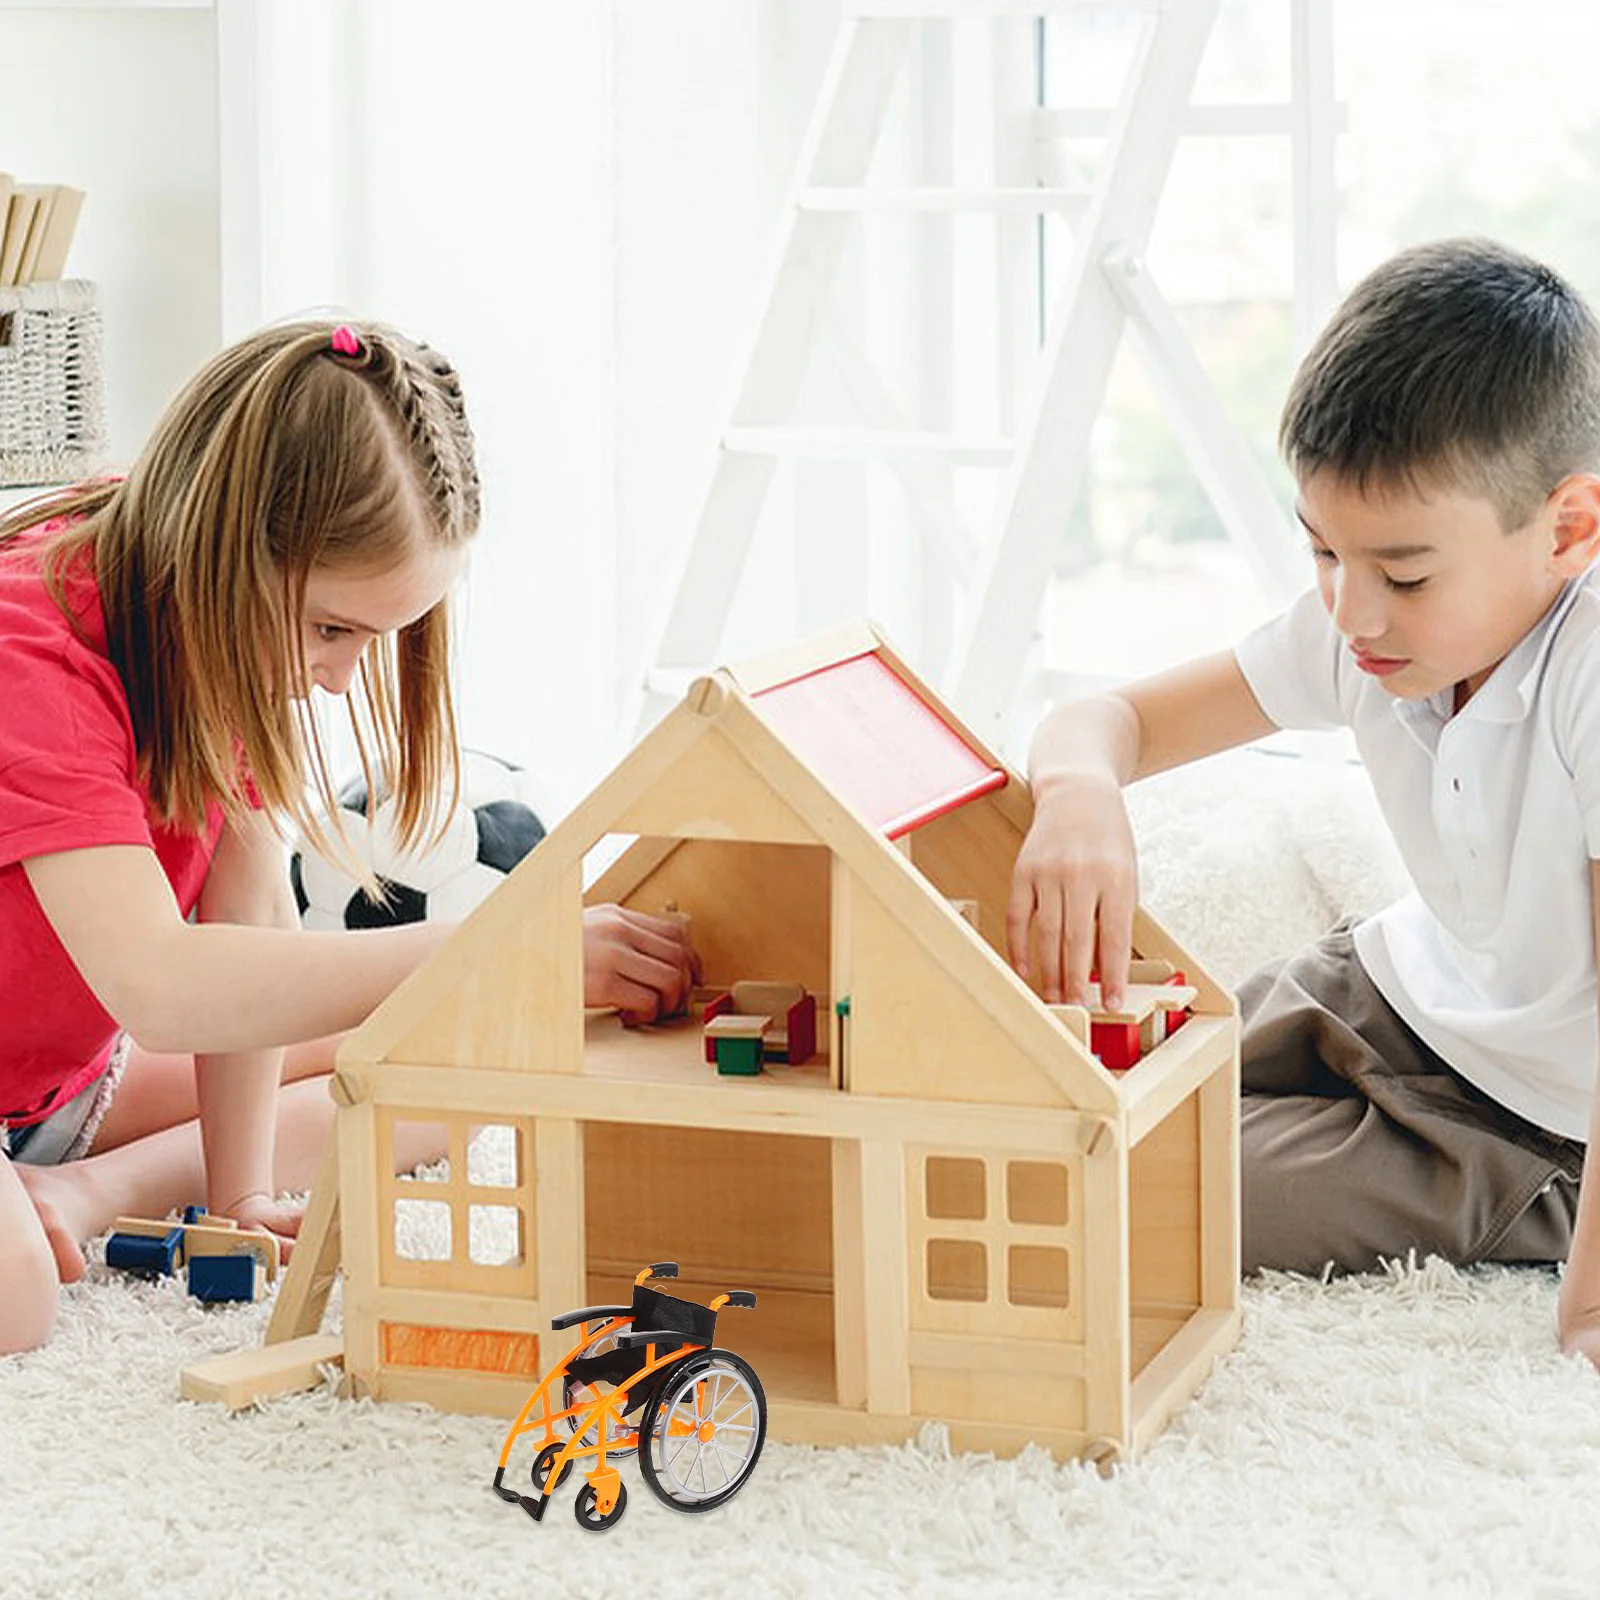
(773, 998)
(738, 1042)
(150, 1247)
(952, 1213)
(1116, 1044)
(791, 1037)
(150, 1254)
(218, 1278)
(1141, 1001)
(228, 1239)
(789, 1032)
(145, 1227)
(194, 1214)
(1149, 1012)
(795, 1042)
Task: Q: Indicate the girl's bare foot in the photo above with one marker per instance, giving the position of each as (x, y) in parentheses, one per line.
(57, 1199)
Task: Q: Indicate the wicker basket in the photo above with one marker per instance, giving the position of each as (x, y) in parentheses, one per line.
(52, 410)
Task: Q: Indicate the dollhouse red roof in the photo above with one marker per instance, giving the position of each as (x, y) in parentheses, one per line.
(877, 743)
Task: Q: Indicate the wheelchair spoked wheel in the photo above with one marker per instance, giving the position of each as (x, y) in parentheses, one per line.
(702, 1431)
(575, 1392)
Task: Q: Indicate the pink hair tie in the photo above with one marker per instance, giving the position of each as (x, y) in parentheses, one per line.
(345, 342)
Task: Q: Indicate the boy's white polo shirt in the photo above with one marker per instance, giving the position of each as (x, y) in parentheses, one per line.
(1496, 811)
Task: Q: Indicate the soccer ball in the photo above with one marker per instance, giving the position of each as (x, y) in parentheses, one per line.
(492, 828)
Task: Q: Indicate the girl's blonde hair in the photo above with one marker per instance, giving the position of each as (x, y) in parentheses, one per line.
(283, 454)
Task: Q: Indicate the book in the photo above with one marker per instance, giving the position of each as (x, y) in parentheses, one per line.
(45, 198)
(19, 219)
(51, 261)
(7, 185)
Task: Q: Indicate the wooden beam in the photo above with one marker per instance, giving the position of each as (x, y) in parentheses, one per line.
(303, 1295)
(757, 1105)
(244, 1376)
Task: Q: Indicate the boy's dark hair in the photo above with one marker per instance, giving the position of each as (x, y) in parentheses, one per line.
(1458, 363)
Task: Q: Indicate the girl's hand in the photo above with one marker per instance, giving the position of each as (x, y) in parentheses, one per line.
(1074, 890)
(264, 1213)
(644, 966)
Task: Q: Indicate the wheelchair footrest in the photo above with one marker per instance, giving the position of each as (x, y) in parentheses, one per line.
(501, 1490)
(534, 1505)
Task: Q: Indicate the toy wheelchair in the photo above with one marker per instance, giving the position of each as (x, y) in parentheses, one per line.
(643, 1378)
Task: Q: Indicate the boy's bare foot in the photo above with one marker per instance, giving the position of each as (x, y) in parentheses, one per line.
(52, 1193)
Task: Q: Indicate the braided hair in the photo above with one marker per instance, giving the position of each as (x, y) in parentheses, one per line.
(304, 446)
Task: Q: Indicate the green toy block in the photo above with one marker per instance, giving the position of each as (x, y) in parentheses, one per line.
(739, 1057)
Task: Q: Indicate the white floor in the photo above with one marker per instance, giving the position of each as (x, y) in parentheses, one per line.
(1409, 1435)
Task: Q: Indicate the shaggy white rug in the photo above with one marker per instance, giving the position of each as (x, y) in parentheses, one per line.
(1412, 1433)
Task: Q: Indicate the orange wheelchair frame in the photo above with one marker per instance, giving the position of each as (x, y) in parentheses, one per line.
(703, 1419)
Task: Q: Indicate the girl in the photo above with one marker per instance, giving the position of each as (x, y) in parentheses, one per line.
(297, 518)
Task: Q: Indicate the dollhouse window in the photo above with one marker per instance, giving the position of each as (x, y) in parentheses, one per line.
(953, 1188)
(465, 1223)
(1036, 1193)
(1036, 1275)
(494, 1156)
(422, 1230)
(997, 1232)
(957, 1269)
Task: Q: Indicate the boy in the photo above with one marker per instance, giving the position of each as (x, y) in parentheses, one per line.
(1424, 1080)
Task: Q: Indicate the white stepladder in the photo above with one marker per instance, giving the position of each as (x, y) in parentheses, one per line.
(1105, 290)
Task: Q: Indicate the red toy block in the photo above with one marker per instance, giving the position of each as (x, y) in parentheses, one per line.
(1176, 1019)
(1116, 1044)
(714, 1008)
(800, 1027)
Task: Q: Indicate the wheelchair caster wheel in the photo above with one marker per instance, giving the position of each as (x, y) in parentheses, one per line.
(587, 1512)
(541, 1469)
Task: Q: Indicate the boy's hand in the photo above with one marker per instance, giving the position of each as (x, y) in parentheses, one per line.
(1074, 890)
(642, 965)
(1580, 1334)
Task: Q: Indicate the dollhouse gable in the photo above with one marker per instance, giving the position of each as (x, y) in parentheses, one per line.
(821, 818)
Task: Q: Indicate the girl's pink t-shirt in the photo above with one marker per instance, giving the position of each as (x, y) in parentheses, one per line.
(68, 781)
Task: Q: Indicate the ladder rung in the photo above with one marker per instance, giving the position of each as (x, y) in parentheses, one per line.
(1255, 120)
(1029, 200)
(868, 444)
(980, 9)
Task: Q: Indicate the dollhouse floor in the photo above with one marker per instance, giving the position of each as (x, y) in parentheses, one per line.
(787, 1338)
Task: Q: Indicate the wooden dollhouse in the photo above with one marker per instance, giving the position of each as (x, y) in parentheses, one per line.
(952, 1211)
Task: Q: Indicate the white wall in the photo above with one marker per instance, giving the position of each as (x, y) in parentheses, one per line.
(698, 131)
(574, 201)
(569, 200)
(479, 198)
(122, 103)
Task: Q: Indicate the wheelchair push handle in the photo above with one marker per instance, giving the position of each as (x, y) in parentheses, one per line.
(742, 1298)
(659, 1269)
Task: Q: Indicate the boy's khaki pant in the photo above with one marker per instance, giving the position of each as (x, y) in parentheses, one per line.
(1357, 1141)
